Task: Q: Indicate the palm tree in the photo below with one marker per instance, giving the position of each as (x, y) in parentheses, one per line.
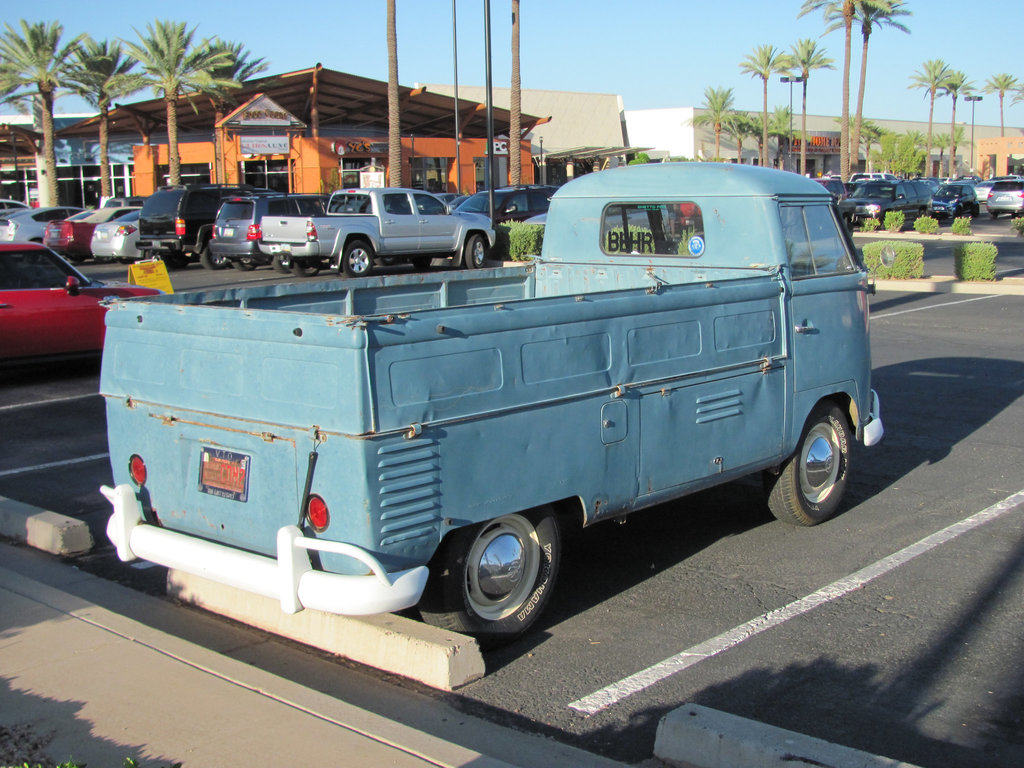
(101, 73)
(717, 108)
(394, 115)
(740, 126)
(954, 84)
(845, 10)
(229, 77)
(173, 65)
(930, 78)
(805, 56)
(35, 59)
(869, 14)
(941, 141)
(779, 127)
(765, 61)
(515, 106)
(1001, 84)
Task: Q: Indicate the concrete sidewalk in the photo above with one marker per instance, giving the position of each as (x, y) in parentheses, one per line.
(83, 681)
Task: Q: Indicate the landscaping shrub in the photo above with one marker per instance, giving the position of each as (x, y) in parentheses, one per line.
(517, 241)
(962, 226)
(1018, 225)
(869, 225)
(926, 225)
(975, 261)
(894, 221)
(908, 264)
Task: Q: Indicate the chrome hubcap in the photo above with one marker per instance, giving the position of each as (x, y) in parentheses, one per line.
(502, 567)
(359, 260)
(819, 465)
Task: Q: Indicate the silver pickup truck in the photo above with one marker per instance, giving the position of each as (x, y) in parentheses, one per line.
(367, 227)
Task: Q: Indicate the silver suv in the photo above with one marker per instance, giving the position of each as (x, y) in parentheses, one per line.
(1006, 197)
(238, 227)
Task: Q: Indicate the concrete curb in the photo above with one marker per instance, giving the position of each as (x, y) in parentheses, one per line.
(39, 528)
(698, 737)
(1009, 286)
(400, 646)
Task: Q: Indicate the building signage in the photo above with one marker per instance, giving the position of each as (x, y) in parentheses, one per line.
(264, 145)
(360, 147)
(262, 111)
(822, 143)
(501, 146)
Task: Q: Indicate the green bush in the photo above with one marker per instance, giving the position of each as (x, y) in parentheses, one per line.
(961, 226)
(908, 264)
(869, 225)
(1018, 224)
(894, 221)
(926, 225)
(517, 241)
(975, 261)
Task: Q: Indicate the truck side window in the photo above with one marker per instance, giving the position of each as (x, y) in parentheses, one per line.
(428, 205)
(659, 229)
(813, 242)
(397, 204)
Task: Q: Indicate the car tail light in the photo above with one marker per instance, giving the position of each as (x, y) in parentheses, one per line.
(254, 232)
(126, 229)
(310, 230)
(179, 227)
(317, 513)
(137, 469)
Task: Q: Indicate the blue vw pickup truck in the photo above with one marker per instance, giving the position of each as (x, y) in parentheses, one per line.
(367, 445)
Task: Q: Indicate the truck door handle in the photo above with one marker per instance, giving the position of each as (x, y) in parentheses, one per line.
(805, 329)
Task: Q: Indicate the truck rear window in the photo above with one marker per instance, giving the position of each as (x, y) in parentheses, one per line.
(350, 204)
(658, 229)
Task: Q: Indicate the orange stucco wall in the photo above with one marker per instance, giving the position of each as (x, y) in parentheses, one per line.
(998, 149)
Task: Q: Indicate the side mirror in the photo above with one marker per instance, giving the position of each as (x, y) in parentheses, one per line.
(72, 285)
(888, 255)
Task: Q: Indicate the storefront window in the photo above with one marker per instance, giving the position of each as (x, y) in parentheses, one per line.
(271, 174)
(191, 173)
(430, 173)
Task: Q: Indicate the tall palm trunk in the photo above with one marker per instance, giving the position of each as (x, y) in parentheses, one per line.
(49, 151)
(951, 161)
(928, 149)
(394, 116)
(106, 188)
(803, 130)
(173, 155)
(844, 120)
(855, 138)
(515, 117)
(764, 126)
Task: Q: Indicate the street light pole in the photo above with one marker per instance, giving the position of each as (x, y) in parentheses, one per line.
(789, 145)
(972, 99)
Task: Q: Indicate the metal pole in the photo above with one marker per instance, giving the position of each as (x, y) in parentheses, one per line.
(458, 137)
(790, 80)
(972, 99)
(489, 171)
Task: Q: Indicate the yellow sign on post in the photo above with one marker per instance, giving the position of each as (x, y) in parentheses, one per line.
(151, 274)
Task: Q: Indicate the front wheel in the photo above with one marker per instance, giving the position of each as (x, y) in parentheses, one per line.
(357, 259)
(493, 580)
(474, 252)
(811, 484)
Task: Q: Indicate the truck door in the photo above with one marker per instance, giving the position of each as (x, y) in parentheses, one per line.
(827, 303)
(399, 226)
(437, 226)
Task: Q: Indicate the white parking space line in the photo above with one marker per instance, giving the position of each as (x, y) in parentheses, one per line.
(932, 306)
(34, 403)
(616, 692)
(52, 464)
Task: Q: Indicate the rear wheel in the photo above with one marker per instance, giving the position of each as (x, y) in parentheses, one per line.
(994, 214)
(282, 263)
(421, 263)
(211, 260)
(357, 259)
(175, 260)
(245, 264)
(305, 267)
(474, 252)
(493, 580)
(811, 484)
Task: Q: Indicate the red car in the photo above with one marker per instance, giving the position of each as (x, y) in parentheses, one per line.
(72, 237)
(48, 308)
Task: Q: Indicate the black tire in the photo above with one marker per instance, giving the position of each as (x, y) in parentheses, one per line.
(494, 607)
(474, 252)
(175, 260)
(211, 260)
(305, 267)
(282, 263)
(811, 484)
(421, 263)
(357, 259)
(125, 260)
(77, 258)
(245, 264)
(994, 214)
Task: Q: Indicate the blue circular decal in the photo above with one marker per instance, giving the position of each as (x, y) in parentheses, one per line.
(696, 245)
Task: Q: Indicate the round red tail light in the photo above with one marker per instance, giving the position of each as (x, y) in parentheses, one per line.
(317, 513)
(137, 469)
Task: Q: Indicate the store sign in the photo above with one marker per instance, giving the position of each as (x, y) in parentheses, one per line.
(264, 145)
(360, 147)
(501, 146)
(262, 111)
(823, 143)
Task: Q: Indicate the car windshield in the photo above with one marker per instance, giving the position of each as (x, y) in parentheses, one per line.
(949, 193)
(881, 189)
(235, 209)
(475, 204)
(34, 268)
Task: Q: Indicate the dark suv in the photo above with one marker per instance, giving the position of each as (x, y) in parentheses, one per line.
(873, 199)
(237, 230)
(511, 203)
(176, 223)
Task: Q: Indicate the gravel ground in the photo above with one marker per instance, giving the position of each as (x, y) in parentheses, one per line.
(19, 745)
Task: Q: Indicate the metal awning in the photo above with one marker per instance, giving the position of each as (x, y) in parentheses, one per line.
(592, 153)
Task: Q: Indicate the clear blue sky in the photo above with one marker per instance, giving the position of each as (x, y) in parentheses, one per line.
(654, 53)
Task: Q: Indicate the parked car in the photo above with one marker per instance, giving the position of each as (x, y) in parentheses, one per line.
(72, 237)
(834, 185)
(176, 223)
(11, 204)
(1006, 197)
(871, 176)
(116, 239)
(952, 200)
(49, 308)
(982, 190)
(874, 199)
(24, 225)
(124, 202)
(237, 231)
(511, 203)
